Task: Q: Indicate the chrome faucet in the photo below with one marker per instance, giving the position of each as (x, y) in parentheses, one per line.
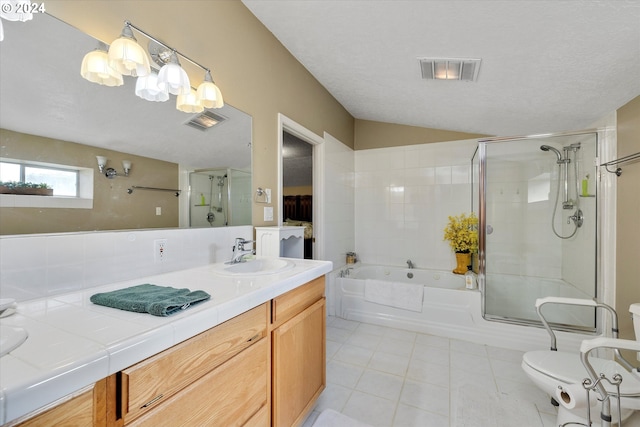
(239, 252)
(345, 272)
(410, 264)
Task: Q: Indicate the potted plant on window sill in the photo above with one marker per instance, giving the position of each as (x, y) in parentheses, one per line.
(462, 234)
(25, 188)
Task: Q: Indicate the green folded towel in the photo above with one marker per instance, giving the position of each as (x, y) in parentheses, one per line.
(153, 299)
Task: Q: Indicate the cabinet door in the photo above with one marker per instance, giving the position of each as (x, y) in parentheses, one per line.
(231, 395)
(298, 365)
(79, 411)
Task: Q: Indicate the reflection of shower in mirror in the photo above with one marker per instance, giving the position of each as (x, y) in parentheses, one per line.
(219, 197)
(569, 183)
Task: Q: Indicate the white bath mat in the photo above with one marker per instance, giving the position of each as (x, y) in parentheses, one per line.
(478, 408)
(331, 418)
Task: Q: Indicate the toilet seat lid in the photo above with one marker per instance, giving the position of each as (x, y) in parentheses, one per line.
(568, 368)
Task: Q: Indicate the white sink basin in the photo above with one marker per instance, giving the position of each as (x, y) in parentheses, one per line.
(255, 267)
(11, 337)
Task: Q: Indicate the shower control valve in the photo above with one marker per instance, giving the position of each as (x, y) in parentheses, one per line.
(577, 218)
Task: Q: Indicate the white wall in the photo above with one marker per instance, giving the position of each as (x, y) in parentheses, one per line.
(339, 212)
(33, 266)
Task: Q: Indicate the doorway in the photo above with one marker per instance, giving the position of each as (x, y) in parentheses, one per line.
(299, 183)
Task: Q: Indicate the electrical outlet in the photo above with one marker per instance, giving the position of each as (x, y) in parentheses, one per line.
(159, 250)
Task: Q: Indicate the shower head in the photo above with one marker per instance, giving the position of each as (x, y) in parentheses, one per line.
(547, 148)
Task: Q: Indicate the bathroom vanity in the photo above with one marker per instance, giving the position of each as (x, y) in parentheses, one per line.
(261, 364)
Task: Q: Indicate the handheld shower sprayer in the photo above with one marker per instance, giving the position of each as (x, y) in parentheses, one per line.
(547, 148)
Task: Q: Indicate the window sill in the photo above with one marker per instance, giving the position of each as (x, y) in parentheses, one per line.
(22, 201)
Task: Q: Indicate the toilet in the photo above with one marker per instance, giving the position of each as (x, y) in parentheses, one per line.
(560, 375)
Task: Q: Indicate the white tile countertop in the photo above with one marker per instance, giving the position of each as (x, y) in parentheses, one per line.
(73, 343)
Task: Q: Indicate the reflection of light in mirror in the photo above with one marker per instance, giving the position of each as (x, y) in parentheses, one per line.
(396, 189)
(539, 187)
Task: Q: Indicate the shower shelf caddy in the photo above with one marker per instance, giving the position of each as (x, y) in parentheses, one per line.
(625, 159)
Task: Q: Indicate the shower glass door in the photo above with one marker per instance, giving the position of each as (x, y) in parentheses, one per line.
(538, 226)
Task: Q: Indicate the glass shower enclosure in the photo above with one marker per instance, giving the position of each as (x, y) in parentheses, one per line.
(219, 197)
(537, 208)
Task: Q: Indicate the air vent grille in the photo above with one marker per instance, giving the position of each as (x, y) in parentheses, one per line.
(205, 120)
(464, 69)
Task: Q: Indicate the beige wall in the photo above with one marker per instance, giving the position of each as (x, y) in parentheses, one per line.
(113, 208)
(378, 135)
(628, 214)
(255, 73)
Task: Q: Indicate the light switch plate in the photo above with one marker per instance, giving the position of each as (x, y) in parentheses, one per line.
(268, 213)
(267, 191)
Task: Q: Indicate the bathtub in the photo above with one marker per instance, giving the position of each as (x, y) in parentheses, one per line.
(448, 309)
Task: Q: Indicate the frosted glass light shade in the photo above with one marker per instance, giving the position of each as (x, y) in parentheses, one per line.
(147, 88)
(174, 79)
(95, 68)
(127, 57)
(189, 103)
(15, 10)
(209, 95)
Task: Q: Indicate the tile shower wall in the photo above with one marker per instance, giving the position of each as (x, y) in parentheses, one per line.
(34, 266)
(403, 197)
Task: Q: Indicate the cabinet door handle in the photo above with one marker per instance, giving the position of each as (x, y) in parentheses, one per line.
(255, 337)
(152, 401)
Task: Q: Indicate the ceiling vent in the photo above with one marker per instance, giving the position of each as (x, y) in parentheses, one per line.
(205, 120)
(464, 69)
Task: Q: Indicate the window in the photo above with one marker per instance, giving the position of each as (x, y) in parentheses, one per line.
(63, 181)
(72, 185)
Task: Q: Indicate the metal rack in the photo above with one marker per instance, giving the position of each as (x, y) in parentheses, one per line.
(136, 187)
(625, 159)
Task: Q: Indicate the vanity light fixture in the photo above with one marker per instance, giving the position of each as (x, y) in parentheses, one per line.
(147, 88)
(127, 57)
(189, 103)
(173, 78)
(95, 68)
(111, 172)
(208, 93)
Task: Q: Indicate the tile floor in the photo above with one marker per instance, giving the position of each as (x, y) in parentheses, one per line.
(395, 378)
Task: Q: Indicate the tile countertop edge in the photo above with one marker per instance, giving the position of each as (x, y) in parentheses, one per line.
(18, 399)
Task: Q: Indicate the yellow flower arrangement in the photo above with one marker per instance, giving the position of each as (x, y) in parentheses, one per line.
(462, 233)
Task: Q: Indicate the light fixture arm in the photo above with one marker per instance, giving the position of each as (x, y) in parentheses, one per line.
(149, 36)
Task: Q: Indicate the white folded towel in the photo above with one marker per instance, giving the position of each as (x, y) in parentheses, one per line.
(394, 294)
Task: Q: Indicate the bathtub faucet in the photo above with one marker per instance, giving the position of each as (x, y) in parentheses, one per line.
(410, 264)
(345, 272)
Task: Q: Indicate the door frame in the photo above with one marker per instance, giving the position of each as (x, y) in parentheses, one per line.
(296, 129)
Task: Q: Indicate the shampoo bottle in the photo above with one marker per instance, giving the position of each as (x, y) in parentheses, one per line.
(202, 199)
(470, 279)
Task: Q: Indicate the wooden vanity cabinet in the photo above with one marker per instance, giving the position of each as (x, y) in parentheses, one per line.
(86, 409)
(217, 378)
(298, 353)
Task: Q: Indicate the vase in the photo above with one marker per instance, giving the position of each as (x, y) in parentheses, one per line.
(463, 260)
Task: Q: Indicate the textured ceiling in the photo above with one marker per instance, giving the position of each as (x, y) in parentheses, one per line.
(547, 66)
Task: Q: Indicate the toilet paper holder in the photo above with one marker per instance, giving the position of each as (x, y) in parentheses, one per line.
(568, 398)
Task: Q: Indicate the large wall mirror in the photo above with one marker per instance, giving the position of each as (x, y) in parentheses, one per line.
(50, 115)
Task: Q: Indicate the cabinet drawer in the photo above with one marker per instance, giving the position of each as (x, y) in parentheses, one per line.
(230, 395)
(152, 381)
(293, 302)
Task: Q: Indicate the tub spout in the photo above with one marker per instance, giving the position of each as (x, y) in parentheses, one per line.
(410, 264)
